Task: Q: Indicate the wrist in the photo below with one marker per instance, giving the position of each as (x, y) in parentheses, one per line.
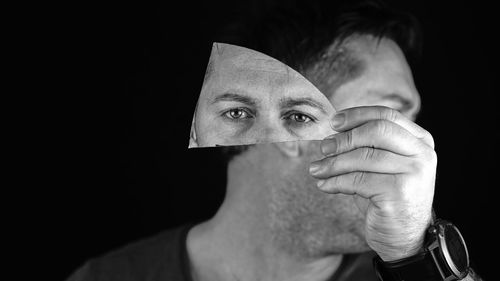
(444, 256)
(402, 252)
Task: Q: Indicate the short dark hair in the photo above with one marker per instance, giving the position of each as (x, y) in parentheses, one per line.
(299, 33)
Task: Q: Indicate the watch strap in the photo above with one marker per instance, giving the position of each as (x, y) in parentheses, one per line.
(416, 268)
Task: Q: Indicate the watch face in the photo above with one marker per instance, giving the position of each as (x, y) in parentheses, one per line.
(455, 250)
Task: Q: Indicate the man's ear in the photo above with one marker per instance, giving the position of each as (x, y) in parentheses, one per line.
(193, 141)
(289, 148)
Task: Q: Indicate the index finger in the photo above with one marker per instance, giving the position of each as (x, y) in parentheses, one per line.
(350, 118)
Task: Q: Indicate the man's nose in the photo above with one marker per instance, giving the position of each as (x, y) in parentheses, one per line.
(270, 132)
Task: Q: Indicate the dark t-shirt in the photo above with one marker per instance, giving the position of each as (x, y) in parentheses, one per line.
(164, 257)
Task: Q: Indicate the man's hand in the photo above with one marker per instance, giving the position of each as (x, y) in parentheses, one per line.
(389, 164)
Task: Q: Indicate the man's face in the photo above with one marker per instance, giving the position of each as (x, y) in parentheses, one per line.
(249, 98)
(306, 219)
(386, 79)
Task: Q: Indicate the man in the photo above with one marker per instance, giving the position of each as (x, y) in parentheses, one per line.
(248, 97)
(313, 210)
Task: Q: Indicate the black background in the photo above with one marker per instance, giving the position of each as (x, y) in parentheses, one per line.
(122, 170)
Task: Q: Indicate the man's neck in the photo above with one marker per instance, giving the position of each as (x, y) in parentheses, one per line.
(232, 252)
(237, 243)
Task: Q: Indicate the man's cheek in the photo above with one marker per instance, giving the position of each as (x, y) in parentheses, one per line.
(225, 133)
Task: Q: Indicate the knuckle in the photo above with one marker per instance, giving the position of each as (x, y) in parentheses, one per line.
(386, 206)
(359, 178)
(428, 159)
(428, 137)
(389, 114)
(381, 127)
(398, 183)
(368, 153)
(335, 181)
(416, 166)
(431, 156)
(349, 139)
(332, 163)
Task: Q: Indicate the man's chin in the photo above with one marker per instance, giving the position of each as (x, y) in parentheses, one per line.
(307, 243)
(309, 223)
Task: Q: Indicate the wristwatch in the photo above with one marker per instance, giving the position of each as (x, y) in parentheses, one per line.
(444, 258)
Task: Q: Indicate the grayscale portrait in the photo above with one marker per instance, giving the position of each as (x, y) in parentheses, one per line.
(248, 97)
(316, 166)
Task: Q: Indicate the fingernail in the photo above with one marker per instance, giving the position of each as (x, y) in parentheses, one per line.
(314, 168)
(338, 120)
(328, 146)
(320, 183)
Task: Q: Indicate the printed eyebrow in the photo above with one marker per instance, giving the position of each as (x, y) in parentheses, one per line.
(292, 102)
(235, 97)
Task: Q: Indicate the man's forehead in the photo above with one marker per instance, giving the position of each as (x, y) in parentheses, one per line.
(247, 59)
(253, 71)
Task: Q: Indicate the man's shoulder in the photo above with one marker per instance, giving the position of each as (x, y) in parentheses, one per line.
(356, 267)
(162, 256)
(166, 244)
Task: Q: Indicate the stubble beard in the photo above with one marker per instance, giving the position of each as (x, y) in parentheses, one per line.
(307, 223)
